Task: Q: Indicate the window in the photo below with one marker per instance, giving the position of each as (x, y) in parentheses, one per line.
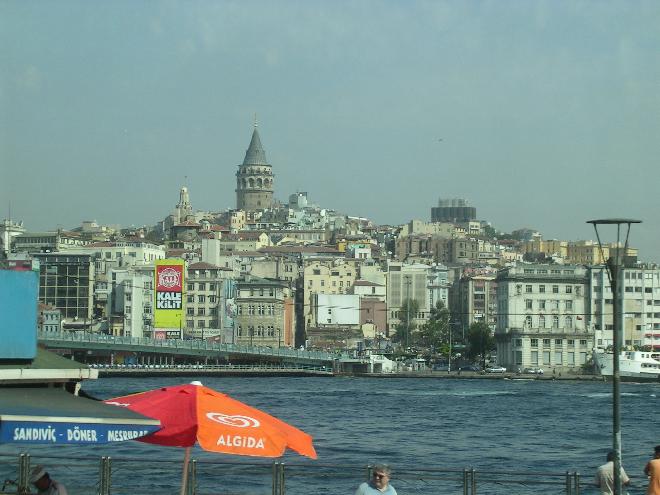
(250, 309)
(518, 342)
(270, 331)
(542, 289)
(191, 286)
(190, 311)
(261, 310)
(316, 272)
(200, 311)
(201, 323)
(569, 289)
(190, 323)
(528, 289)
(542, 304)
(555, 321)
(583, 342)
(201, 299)
(212, 299)
(546, 342)
(569, 323)
(558, 342)
(534, 342)
(541, 321)
(558, 357)
(528, 304)
(191, 299)
(546, 357)
(528, 321)
(211, 286)
(569, 305)
(555, 289)
(518, 289)
(322, 283)
(535, 357)
(201, 286)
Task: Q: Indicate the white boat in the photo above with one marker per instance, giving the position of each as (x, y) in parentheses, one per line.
(633, 365)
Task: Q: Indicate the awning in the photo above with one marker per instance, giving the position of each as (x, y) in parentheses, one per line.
(54, 416)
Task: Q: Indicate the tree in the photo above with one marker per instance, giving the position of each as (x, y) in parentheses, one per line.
(434, 333)
(405, 327)
(480, 341)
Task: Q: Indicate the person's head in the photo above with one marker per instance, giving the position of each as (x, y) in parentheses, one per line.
(381, 475)
(610, 456)
(657, 451)
(39, 477)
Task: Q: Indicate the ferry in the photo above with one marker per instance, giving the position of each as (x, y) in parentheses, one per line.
(633, 365)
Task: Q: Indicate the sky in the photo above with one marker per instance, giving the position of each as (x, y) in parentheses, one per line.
(541, 114)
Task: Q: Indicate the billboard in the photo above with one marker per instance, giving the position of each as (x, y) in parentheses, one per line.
(18, 295)
(169, 284)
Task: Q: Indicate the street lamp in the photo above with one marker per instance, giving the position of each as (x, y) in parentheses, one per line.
(614, 267)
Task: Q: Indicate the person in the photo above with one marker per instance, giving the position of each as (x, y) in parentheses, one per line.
(652, 470)
(379, 483)
(45, 485)
(605, 476)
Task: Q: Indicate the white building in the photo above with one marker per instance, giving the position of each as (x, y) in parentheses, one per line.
(640, 317)
(337, 309)
(541, 317)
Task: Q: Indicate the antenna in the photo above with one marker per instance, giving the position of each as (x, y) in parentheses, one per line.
(255, 120)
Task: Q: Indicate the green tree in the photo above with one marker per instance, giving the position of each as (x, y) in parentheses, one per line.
(405, 327)
(480, 341)
(434, 333)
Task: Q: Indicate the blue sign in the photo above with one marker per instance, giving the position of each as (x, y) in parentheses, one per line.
(67, 433)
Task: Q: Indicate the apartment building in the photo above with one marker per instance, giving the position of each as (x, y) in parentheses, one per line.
(473, 299)
(326, 276)
(207, 289)
(425, 284)
(265, 313)
(542, 317)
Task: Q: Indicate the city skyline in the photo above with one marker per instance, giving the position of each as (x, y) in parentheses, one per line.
(540, 115)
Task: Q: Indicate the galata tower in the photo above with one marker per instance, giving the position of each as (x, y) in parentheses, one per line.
(254, 179)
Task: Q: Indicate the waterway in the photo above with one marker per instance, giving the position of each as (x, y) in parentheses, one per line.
(492, 425)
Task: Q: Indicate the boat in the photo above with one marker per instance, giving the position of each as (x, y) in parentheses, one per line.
(633, 365)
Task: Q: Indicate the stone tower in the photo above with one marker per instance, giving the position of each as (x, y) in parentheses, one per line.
(254, 179)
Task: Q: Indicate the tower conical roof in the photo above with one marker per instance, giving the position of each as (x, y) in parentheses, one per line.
(255, 154)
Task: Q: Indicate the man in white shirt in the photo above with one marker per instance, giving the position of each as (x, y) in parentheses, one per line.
(605, 476)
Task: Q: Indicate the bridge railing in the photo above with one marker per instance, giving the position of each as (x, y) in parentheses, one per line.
(128, 475)
(86, 337)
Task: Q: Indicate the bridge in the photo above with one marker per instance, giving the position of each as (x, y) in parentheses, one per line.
(94, 348)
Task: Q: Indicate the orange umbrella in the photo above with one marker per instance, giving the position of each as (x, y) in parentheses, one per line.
(194, 413)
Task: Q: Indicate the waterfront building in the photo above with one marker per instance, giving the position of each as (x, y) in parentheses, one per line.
(207, 289)
(265, 313)
(66, 282)
(254, 178)
(640, 318)
(542, 317)
(50, 319)
(473, 299)
(426, 284)
(115, 255)
(131, 301)
(325, 276)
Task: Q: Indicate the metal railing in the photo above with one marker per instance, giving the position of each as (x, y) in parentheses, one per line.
(118, 476)
(178, 344)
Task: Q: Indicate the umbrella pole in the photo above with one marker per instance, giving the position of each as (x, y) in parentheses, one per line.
(184, 477)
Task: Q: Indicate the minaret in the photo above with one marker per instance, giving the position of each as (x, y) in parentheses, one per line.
(184, 208)
(254, 178)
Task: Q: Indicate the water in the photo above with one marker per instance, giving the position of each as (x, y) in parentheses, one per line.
(502, 425)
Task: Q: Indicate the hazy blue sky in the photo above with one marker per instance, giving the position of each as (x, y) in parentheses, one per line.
(541, 114)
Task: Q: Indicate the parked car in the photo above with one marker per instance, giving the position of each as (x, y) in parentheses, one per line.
(496, 369)
(470, 367)
(533, 371)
